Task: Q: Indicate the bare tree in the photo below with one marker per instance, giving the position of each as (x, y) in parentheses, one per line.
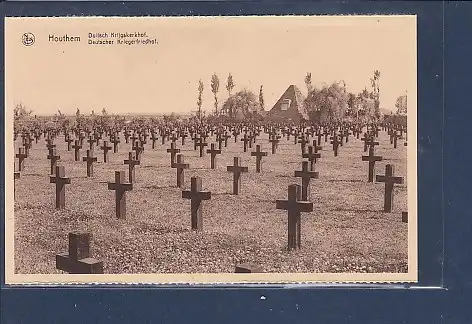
(200, 99)
(215, 87)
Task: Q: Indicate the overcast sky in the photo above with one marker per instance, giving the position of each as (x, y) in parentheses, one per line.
(273, 52)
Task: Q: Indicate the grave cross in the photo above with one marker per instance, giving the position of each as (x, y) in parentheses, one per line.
(131, 163)
(197, 196)
(389, 179)
(180, 166)
(120, 186)
(77, 146)
(105, 149)
(173, 151)
(274, 141)
(78, 260)
(237, 169)
(312, 155)
(372, 159)
(21, 155)
(60, 180)
(246, 140)
(294, 207)
(306, 175)
(68, 140)
(258, 154)
(335, 142)
(154, 138)
(303, 141)
(115, 140)
(213, 153)
(91, 141)
(54, 158)
(201, 144)
(138, 149)
(89, 159)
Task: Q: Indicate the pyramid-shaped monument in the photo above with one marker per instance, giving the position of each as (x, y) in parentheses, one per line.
(290, 106)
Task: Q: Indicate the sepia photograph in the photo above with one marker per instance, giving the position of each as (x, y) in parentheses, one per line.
(251, 149)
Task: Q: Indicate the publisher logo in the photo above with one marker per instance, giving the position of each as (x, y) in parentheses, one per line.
(27, 39)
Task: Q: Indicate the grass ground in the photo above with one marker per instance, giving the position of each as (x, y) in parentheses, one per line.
(346, 232)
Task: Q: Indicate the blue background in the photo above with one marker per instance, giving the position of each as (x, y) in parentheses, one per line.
(445, 213)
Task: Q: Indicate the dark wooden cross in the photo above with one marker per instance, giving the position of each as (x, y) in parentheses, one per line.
(21, 155)
(91, 141)
(115, 140)
(395, 137)
(390, 180)
(311, 155)
(90, 159)
(78, 260)
(180, 166)
(131, 162)
(154, 138)
(274, 141)
(120, 186)
(50, 146)
(372, 159)
(60, 180)
(306, 176)
(258, 154)
(183, 136)
(77, 146)
(197, 196)
(245, 140)
(213, 153)
(138, 149)
(303, 141)
(335, 142)
(68, 140)
(54, 158)
(237, 169)
(105, 149)
(173, 151)
(201, 145)
(294, 207)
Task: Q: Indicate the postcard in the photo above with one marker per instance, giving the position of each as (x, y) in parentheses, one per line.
(211, 150)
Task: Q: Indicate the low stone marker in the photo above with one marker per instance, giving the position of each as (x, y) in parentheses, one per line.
(247, 268)
(404, 217)
(196, 195)
(237, 169)
(60, 180)
(294, 207)
(78, 260)
(390, 180)
(16, 176)
(120, 186)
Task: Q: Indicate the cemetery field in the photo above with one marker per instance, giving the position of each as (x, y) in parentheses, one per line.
(346, 232)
